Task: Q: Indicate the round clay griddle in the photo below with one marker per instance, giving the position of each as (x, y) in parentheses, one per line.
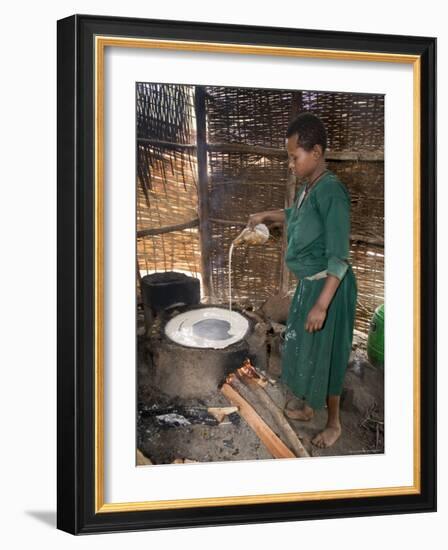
(208, 327)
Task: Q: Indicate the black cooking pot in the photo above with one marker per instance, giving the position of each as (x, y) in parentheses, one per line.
(161, 291)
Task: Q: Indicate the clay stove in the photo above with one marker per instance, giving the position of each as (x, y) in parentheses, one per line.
(193, 346)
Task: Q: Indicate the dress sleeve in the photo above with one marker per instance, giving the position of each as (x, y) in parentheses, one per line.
(289, 210)
(333, 203)
(287, 214)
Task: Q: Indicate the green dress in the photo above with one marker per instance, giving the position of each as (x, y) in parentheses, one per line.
(314, 364)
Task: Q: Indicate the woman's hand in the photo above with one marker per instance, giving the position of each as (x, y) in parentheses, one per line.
(255, 219)
(315, 318)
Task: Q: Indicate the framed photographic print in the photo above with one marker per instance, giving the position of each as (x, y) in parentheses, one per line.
(236, 205)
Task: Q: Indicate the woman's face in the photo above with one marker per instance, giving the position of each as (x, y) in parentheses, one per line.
(302, 163)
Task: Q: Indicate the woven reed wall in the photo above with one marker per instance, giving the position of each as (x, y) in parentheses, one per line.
(245, 181)
(255, 183)
(365, 181)
(166, 178)
(354, 122)
(242, 183)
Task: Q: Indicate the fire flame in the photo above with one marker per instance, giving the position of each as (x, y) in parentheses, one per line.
(247, 369)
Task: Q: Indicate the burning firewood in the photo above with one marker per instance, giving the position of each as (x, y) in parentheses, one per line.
(273, 443)
(247, 369)
(277, 414)
(235, 381)
(246, 381)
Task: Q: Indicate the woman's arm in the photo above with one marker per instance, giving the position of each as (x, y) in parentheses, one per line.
(269, 216)
(318, 312)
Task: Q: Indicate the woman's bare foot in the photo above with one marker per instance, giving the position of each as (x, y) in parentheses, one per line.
(306, 413)
(327, 437)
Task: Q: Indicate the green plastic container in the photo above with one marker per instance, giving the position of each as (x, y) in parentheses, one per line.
(375, 339)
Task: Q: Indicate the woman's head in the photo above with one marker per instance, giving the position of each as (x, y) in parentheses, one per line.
(306, 141)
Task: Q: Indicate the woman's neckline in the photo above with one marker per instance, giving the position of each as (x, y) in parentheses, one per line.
(316, 180)
(321, 178)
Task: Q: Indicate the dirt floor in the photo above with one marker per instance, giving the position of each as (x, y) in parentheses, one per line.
(170, 429)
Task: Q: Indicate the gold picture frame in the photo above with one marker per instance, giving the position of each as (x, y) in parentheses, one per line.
(82, 42)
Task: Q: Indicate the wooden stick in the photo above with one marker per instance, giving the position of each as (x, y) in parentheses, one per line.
(167, 144)
(221, 412)
(203, 193)
(167, 229)
(296, 107)
(367, 240)
(372, 156)
(142, 460)
(283, 425)
(272, 443)
(251, 372)
(253, 401)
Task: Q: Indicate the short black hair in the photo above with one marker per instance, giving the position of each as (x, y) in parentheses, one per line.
(310, 131)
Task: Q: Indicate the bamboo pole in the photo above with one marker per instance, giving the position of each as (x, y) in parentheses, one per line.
(139, 279)
(203, 195)
(289, 200)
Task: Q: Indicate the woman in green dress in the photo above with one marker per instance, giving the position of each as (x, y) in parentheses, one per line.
(319, 332)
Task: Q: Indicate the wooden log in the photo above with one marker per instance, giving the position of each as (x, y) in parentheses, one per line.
(167, 144)
(221, 412)
(167, 229)
(283, 425)
(228, 222)
(142, 460)
(284, 270)
(251, 372)
(367, 240)
(203, 194)
(245, 392)
(290, 190)
(239, 182)
(272, 443)
(246, 148)
(368, 156)
(139, 281)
